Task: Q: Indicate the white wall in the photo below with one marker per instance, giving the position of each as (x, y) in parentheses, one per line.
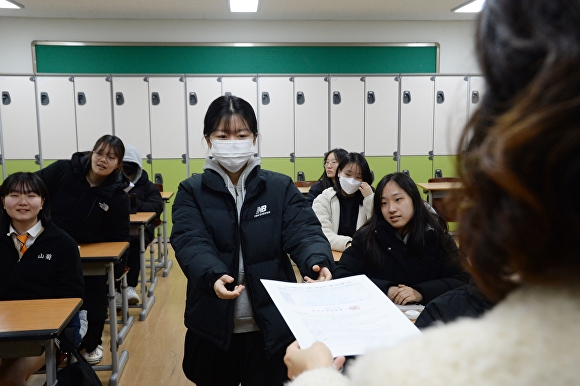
(455, 37)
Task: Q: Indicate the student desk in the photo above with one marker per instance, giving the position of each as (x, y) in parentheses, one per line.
(140, 220)
(337, 255)
(167, 264)
(304, 189)
(438, 189)
(96, 259)
(29, 328)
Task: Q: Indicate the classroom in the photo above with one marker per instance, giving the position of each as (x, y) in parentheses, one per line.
(58, 57)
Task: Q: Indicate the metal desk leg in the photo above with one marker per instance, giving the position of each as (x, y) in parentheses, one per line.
(166, 262)
(126, 320)
(146, 303)
(117, 364)
(50, 361)
(153, 277)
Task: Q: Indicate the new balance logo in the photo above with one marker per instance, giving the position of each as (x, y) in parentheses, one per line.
(261, 211)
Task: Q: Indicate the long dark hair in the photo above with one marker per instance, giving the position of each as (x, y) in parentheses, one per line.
(22, 182)
(339, 154)
(357, 159)
(519, 213)
(224, 109)
(423, 219)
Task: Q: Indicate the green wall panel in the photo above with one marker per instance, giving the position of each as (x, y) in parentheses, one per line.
(419, 167)
(24, 165)
(206, 59)
(312, 168)
(447, 164)
(196, 165)
(280, 165)
(381, 166)
(173, 172)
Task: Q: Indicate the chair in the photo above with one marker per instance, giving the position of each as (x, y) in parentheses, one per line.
(442, 206)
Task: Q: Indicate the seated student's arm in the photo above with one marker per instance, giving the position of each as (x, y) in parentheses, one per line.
(322, 209)
(451, 273)
(119, 218)
(303, 239)
(152, 201)
(314, 192)
(51, 175)
(194, 247)
(70, 272)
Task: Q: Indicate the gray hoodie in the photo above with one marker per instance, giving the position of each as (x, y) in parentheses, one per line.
(132, 155)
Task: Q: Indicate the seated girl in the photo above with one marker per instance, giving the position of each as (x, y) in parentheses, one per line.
(405, 249)
(346, 206)
(38, 260)
(328, 178)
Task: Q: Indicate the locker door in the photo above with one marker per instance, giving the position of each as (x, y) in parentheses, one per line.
(167, 112)
(416, 146)
(93, 110)
(245, 87)
(56, 116)
(201, 91)
(347, 113)
(18, 121)
(131, 113)
(276, 123)
(450, 113)
(382, 124)
(476, 91)
(311, 116)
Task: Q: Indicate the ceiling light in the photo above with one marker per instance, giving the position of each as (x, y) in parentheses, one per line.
(8, 4)
(244, 5)
(473, 6)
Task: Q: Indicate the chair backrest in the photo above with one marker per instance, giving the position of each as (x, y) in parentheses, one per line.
(160, 187)
(444, 179)
(304, 184)
(445, 209)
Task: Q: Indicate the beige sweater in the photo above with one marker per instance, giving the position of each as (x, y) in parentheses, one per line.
(327, 209)
(531, 338)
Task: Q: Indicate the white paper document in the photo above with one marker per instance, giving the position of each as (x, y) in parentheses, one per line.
(350, 315)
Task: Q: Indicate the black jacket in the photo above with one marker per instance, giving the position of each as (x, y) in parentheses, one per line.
(440, 272)
(276, 221)
(315, 191)
(89, 215)
(50, 268)
(147, 199)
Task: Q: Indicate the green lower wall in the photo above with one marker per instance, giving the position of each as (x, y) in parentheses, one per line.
(312, 168)
(419, 167)
(381, 166)
(13, 166)
(173, 172)
(447, 164)
(280, 165)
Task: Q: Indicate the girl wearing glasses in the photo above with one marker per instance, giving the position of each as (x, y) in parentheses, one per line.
(89, 203)
(328, 178)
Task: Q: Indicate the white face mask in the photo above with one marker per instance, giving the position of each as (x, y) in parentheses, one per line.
(232, 154)
(349, 185)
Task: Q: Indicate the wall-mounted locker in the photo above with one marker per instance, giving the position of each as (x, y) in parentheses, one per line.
(94, 113)
(200, 92)
(276, 123)
(56, 117)
(131, 113)
(245, 87)
(310, 116)
(347, 113)
(18, 121)
(476, 91)
(416, 139)
(382, 124)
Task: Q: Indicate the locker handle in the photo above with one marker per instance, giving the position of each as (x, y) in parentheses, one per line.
(440, 97)
(44, 100)
(300, 98)
(406, 171)
(475, 97)
(265, 98)
(82, 99)
(192, 99)
(155, 100)
(370, 97)
(227, 93)
(406, 97)
(6, 98)
(336, 98)
(119, 99)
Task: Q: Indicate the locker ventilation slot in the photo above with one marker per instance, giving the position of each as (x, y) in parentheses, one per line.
(370, 97)
(300, 99)
(119, 99)
(440, 97)
(265, 98)
(44, 100)
(192, 98)
(6, 98)
(81, 98)
(406, 97)
(155, 100)
(336, 98)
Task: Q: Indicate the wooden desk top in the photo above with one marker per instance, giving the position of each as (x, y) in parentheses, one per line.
(303, 189)
(433, 186)
(337, 255)
(166, 195)
(35, 319)
(142, 218)
(108, 251)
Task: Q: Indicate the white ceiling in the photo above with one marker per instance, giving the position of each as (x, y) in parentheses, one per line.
(218, 9)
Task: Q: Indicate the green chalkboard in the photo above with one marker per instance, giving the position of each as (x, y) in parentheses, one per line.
(64, 58)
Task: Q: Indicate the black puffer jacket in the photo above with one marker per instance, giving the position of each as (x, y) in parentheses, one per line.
(147, 199)
(275, 221)
(89, 215)
(439, 273)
